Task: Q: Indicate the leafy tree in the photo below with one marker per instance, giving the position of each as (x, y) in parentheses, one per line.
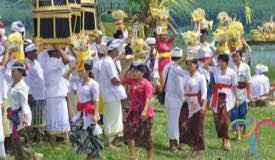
(262, 10)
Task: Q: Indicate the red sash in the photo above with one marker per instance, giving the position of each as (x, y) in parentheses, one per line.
(10, 115)
(203, 59)
(199, 99)
(216, 87)
(87, 107)
(194, 95)
(245, 85)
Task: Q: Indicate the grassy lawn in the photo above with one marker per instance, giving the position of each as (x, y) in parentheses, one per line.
(265, 146)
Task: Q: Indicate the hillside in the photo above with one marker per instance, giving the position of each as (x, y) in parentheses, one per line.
(262, 9)
(12, 10)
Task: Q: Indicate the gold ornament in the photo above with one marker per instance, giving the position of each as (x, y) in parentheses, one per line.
(198, 15)
(190, 38)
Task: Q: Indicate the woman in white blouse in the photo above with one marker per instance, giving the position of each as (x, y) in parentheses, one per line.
(19, 113)
(224, 96)
(84, 122)
(194, 106)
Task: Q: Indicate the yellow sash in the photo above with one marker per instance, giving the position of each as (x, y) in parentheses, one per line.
(100, 104)
(19, 55)
(165, 54)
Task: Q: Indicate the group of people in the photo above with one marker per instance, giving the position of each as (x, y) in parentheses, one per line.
(34, 93)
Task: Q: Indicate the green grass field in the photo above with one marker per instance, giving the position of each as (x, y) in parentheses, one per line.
(265, 146)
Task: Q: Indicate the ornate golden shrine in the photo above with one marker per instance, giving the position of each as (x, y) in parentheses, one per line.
(88, 16)
(57, 21)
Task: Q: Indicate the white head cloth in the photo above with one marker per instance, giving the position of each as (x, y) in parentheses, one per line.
(30, 48)
(258, 69)
(18, 26)
(115, 43)
(177, 52)
(150, 41)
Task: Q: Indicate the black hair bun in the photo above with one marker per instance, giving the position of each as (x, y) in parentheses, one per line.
(128, 49)
(24, 74)
(118, 34)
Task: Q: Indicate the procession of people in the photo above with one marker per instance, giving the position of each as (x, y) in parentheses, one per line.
(121, 78)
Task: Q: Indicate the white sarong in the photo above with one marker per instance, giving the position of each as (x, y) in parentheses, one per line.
(173, 108)
(112, 121)
(57, 117)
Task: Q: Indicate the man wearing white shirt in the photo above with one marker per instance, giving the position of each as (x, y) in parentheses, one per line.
(174, 89)
(37, 97)
(113, 92)
(57, 117)
(256, 82)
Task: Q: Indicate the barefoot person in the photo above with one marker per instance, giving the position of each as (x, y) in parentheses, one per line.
(37, 97)
(87, 116)
(113, 92)
(19, 114)
(57, 118)
(245, 92)
(192, 112)
(138, 120)
(223, 99)
(173, 99)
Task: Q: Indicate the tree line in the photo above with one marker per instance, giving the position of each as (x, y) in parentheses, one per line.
(12, 10)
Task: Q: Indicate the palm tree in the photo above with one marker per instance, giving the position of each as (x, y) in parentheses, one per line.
(179, 6)
(175, 6)
(248, 12)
